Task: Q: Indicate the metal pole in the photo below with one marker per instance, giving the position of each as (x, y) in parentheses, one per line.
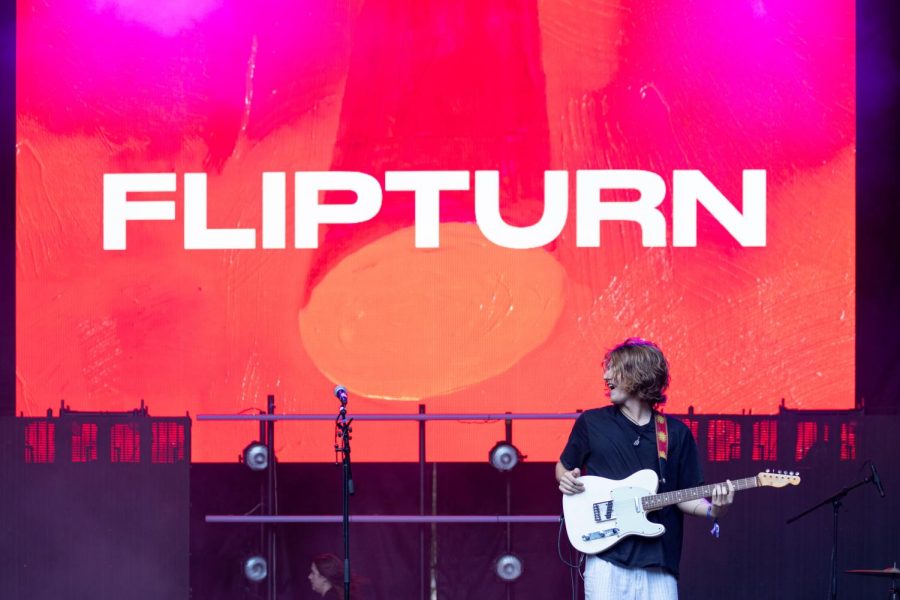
(346, 516)
(836, 507)
(423, 565)
(270, 501)
(509, 585)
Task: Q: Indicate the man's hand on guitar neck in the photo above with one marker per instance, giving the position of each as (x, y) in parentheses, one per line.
(568, 480)
(722, 497)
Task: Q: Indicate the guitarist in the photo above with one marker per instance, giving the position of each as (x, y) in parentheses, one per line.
(618, 440)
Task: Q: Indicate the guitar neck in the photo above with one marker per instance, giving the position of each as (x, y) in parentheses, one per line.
(657, 501)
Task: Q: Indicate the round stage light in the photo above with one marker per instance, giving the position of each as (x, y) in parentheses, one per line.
(256, 456)
(504, 456)
(508, 567)
(255, 568)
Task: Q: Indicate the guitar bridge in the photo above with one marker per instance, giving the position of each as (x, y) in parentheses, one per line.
(596, 535)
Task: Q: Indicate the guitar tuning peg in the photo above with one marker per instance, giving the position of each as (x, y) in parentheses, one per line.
(768, 470)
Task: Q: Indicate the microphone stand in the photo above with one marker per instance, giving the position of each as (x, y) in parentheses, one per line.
(343, 433)
(835, 501)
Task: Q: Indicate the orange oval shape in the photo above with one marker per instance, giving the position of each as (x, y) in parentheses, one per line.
(404, 323)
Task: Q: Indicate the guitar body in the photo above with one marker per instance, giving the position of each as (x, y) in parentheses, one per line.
(609, 510)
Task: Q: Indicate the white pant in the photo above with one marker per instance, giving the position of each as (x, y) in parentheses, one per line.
(606, 581)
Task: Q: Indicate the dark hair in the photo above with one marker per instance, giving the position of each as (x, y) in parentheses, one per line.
(641, 369)
(332, 568)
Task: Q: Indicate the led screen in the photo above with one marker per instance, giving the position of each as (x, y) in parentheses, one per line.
(456, 204)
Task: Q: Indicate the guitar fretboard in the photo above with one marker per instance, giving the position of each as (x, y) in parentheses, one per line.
(704, 491)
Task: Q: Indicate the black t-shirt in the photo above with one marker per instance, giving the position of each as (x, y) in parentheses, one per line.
(332, 594)
(602, 443)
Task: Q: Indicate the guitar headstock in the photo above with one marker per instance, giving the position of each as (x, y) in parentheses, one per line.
(778, 478)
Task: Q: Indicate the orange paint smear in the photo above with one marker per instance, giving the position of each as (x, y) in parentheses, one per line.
(395, 321)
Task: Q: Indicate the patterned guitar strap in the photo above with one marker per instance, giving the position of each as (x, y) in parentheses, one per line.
(662, 443)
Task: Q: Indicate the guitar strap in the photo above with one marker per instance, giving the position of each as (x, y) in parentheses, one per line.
(662, 443)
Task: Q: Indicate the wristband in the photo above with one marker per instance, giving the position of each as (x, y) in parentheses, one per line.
(715, 528)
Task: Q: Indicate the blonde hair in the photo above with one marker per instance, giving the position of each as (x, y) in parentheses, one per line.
(640, 368)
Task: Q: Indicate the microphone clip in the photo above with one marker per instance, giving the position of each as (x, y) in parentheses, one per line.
(340, 392)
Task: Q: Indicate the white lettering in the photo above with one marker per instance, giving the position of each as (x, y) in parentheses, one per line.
(196, 234)
(310, 214)
(591, 210)
(495, 229)
(427, 185)
(691, 187)
(274, 209)
(117, 210)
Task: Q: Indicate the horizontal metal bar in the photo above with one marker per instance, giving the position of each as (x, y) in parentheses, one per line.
(391, 417)
(447, 519)
(744, 418)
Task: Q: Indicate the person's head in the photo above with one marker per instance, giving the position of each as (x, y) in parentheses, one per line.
(326, 572)
(636, 369)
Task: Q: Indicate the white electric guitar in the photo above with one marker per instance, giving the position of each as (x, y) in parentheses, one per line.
(609, 510)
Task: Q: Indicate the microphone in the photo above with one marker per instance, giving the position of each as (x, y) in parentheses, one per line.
(876, 479)
(340, 392)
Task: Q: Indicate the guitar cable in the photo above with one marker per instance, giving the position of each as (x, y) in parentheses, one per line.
(574, 567)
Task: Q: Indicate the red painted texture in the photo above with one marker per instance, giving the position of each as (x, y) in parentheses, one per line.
(237, 88)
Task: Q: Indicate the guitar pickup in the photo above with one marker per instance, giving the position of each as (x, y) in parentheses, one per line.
(603, 511)
(597, 535)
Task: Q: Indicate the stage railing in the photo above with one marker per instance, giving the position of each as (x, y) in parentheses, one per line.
(445, 519)
(421, 417)
(422, 519)
(393, 417)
